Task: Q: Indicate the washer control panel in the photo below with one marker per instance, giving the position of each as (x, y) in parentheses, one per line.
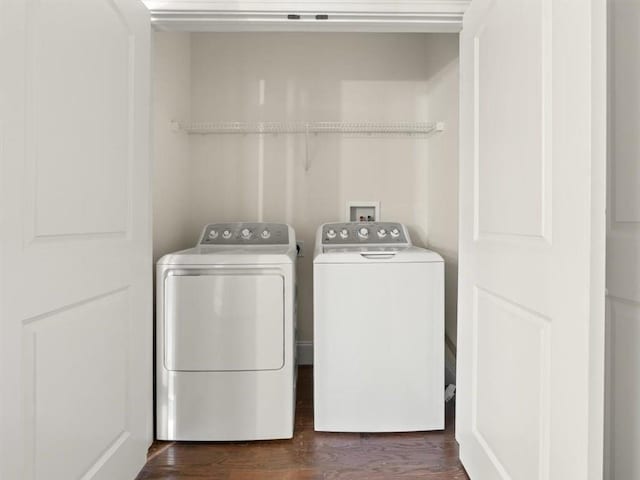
(245, 234)
(368, 232)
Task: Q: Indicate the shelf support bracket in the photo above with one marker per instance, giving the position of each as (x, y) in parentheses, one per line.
(307, 161)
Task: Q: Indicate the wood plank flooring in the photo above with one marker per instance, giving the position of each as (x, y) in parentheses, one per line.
(312, 455)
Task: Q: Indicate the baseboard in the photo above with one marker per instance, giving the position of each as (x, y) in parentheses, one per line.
(305, 352)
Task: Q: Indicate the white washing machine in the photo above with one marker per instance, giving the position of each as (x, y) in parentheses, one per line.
(225, 335)
(378, 330)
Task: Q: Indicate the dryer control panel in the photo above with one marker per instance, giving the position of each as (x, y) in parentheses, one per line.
(245, 234)
(371, 233)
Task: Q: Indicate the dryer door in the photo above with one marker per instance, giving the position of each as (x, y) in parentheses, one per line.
(224, 322)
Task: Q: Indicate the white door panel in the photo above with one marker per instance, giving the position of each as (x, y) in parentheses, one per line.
(531, 271)
(76, 261)
(93, 107)
(623, 242)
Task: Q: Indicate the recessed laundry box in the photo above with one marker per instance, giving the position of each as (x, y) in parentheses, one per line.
(226, 335)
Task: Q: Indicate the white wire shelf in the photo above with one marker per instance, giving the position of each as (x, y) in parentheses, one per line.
(419, 129)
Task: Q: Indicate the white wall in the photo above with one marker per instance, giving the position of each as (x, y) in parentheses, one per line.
(442, 173)
(324, 77)
(171, 164)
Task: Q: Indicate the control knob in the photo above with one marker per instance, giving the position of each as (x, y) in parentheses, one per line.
(344, 233)
(331, 233)
(382, 233)
(363, 232)
(246, 233)
(265, 234)
(213, 234)
(395, 233)
(226, 234)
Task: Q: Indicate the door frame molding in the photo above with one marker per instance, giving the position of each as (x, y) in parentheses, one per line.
(341, 16)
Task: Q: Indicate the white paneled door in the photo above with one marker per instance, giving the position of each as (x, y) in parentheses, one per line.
(75, 271)
(623, 242)
(532, 227)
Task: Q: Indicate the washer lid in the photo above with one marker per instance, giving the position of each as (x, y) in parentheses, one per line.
(378, 254)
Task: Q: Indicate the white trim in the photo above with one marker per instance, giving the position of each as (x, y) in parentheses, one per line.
(347, 16)
(278, 22)
(314, 6)
(304, 352)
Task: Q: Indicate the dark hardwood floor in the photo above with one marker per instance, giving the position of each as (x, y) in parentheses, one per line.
(312, 455)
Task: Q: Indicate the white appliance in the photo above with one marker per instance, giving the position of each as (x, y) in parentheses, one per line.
(378, 330)
(225, 329)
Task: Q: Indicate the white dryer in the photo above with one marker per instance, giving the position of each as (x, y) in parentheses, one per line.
(225, 335)
(378, 330)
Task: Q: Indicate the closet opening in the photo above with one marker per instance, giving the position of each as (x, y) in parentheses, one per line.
(302, 128)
